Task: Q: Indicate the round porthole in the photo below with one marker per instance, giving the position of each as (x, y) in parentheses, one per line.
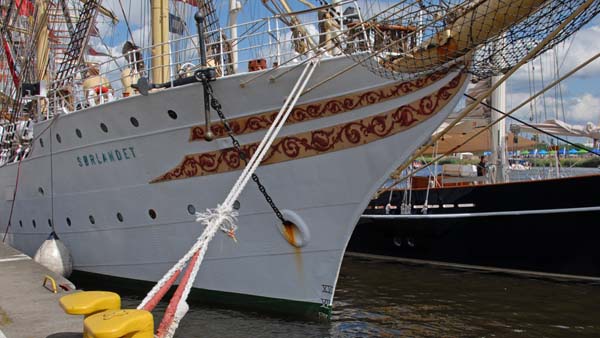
(191, 209)
(152, 213)
(119, 217)
(172, 114)
(41, 191)
(104, 127)
(20, 223)
(78, 133)
(33, 223)
(58, 138)
(295, 231)
(49, 222)
(42, 143)
(134, 122)
(92, 220)
(68, 221)
(236, 205)
(397, 240)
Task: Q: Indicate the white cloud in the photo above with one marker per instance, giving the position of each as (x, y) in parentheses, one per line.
(578, 109)
(585, 108)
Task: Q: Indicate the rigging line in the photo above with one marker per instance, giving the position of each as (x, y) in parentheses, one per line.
(382, 49)
(531, 106)
(523, 104)
(7, 17)
(185, 26)
(568, 49)
(35, 138)
(126, 22)
(51, 181)
(320, 52)
(14, 197)
(12, 205)
(536, 128)
(426, 204)
(112, 58)
(543, 85)
(531, 54)
(555, 74)
(560, 90)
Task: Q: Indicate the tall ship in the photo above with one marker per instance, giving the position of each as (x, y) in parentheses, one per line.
(496, 215)
(522, 227)
(118, 156)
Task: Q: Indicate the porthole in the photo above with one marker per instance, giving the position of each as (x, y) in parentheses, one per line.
(236, 205)
(58, 138)
(33, 223)
(68, 221)
(191, 209)
(92, 220)
(41, 190)
(152, 213)
(172, 114)
(49, 222)
(78, 133)
(134, 122)
(21, 223)
(119, 217)
(104, 127)
(397, 240)
(42, 143)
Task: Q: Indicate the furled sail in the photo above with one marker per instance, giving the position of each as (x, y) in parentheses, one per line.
(558, 127)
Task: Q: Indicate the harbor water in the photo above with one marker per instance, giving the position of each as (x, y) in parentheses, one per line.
(377, 298)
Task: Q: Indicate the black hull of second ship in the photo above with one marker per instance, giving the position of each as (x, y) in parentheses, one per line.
(549, 227)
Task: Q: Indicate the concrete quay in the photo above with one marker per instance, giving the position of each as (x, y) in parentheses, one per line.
(28, 309)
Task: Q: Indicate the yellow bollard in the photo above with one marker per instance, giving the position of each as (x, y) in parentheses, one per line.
(119, 323)
(88, 303)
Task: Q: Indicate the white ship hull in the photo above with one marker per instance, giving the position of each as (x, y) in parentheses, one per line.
(125, 172)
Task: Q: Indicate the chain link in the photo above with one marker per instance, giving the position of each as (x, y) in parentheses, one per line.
(216, 105)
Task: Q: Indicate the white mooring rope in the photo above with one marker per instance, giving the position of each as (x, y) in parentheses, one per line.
(224, 216)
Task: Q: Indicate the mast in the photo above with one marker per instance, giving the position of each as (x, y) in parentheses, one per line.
(499, 131)
(42, 46)
(160, 41)
(234, 9)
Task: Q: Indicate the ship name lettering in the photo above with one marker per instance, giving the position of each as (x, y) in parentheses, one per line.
(99, 158)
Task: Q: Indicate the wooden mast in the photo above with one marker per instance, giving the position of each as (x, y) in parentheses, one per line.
(42, 47)
(160, 41)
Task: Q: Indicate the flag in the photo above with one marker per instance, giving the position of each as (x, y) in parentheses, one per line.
(189, 2)
(94, 30)
(176, 24)
(25, 7)
(92, 52)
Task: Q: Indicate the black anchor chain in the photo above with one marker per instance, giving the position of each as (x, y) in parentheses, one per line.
(216, 105)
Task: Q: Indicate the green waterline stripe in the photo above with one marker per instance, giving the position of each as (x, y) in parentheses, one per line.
(273, 306)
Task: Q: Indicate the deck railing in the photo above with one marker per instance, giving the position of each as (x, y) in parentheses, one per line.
(262, 44)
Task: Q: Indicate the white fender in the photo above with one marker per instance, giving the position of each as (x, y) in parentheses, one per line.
(55, 256)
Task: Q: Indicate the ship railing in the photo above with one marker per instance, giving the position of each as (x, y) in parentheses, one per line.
(261, 44)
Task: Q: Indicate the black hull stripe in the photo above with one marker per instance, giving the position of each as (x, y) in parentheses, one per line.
(483, 214)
